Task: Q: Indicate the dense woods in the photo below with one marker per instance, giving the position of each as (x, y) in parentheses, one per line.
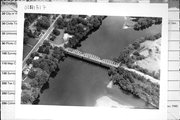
(45, 62)
(80, 27)
(125, 58)
(142, 23)
(135, 84)
(37, 22)
(44, 67)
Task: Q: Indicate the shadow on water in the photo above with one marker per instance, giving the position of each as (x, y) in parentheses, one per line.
(77, 91)
(54, 73)
(36, 102)
(88, 62)
(44, 87)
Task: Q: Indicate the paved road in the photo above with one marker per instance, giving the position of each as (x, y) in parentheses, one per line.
(40, 42)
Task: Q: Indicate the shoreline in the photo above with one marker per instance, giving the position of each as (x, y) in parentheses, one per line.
(34, 97)
(106, 101)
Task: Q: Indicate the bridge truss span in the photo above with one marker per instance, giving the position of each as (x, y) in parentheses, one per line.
(91, 58)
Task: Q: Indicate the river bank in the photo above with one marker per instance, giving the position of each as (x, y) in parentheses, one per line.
(45, 62)
(141, 84)
(78, 83)
(106, 101)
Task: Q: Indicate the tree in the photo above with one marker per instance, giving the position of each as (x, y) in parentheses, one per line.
(34, 94)
(136, 45)
(142, 23)
(25, 98)
(41, 49)
(43, 22)
(112, 71)
(58, 53)
(44, 66)
(61, 23)
(35, 63)
(52, 38)
(80, 28)
(44, 49)
(42, 78)
(136, 53)
(94, 21)
(24, 87)
(31, 17)
(83, 16)
(83, 21)
(26, 23)
(32, 74)
(38, 28)
(46, 43)
(158, 21)
(56, 32)
(34, 54)
(29, 61)
(26, 39)
(34, 83)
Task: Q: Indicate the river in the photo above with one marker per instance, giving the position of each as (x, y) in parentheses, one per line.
(79, 83)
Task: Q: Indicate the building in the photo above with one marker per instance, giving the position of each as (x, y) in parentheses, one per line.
(66, 37)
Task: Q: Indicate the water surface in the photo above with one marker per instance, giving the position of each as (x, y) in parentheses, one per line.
(79, 83)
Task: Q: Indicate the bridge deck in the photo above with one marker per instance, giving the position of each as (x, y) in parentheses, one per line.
(91, 58)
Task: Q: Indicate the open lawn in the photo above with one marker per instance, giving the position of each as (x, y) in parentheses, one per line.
(59, 39)
(27, 48)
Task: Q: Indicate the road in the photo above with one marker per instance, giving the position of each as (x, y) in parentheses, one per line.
(40, 42)
(153, 80)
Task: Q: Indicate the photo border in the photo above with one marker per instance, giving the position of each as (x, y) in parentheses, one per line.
(78, 112)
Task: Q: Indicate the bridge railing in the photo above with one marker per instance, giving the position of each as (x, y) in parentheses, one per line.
(92, 57)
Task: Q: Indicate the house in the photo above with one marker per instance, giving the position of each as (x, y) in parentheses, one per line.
(26, 71)
(36, 58)
(66, 37)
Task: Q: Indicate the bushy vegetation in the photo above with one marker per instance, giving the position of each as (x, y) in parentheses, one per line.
(40, 79)
(135, 84)
(48, 57)
(79, 27)
(128, 60)
(42, 69)
(29, 97)
(58, 53)
(142, 23)
(56, 32)
(29, 18)
(145, 71)
(42, 23)
(32, 74)
(61, 23)
(45, 48)
(25, 86)
(26, 98)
